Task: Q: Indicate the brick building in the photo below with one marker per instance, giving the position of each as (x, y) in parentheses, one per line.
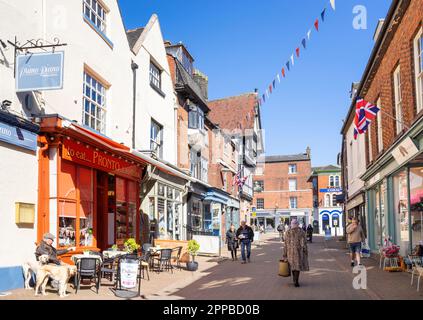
(282, 190)
(393, 179)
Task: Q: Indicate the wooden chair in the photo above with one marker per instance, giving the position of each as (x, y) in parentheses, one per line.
(417, 268)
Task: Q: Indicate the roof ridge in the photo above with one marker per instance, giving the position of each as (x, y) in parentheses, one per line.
(236, 96)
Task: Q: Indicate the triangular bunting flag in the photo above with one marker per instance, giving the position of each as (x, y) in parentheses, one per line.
(309, 34)
(323, 14)
(304, 43)
(274, 84)
(316, 24)
(283, 72)
(287, 65)
(292, 59)
(332, 3)
(297, 52)
(279, 78)
(270, 88)
(264, 98)
(267, 93)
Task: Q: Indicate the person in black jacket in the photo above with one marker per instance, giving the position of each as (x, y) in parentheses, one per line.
(46, 247)
(246, 235)
(232, 242)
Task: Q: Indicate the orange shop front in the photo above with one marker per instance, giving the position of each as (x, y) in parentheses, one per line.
(93, 191)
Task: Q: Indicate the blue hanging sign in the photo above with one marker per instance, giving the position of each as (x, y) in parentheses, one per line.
(39, 71)
(331, 190)
(17, 136)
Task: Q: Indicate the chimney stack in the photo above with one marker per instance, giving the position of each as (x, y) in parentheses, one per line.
(203, 82)
(308, 152)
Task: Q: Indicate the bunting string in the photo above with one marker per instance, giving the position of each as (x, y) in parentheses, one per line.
(297, 52)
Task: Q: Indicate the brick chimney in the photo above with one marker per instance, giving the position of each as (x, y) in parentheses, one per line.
(203, 82)
(308, 152)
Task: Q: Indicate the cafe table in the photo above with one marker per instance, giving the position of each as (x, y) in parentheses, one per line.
(109, 254)
(75, 258)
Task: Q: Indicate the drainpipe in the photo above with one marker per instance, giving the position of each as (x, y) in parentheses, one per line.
(134, 68)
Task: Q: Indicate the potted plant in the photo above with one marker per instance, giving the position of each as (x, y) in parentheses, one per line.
(193, 247)
(115, 247)
(131, 246)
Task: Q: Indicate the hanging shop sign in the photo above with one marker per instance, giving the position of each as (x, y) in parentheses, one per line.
(18, 137)
(39, 71)
(331, 190)
(405, 151)
(92, 157)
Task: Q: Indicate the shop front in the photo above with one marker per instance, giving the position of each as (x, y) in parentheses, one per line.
(394, 194)
(199, 216)
(355, 208)
(232, 216)
(163, 198)
(89, 188)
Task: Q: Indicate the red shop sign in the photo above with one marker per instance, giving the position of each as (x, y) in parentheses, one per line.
(91, 157)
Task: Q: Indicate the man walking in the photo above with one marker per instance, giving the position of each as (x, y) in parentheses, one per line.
(355, 238)
(281, 230)
(246, 235)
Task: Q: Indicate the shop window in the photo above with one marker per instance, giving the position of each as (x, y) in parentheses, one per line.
(132, 209)
(86, 211)
(416, 205)
(170, 215)
(335, 221)
(67, 224)
(152, 208)
(196, 215)
(207, 217)
(161, 211)
(121, 210)
(400, 191)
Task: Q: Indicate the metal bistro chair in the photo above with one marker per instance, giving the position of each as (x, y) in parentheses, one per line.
(87, 268)
(164, 260)
(145, 261)
(417, 268)
(109, 268)
(176, 255)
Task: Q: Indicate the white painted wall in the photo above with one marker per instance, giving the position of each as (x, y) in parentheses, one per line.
(18, 183)
(356, 160)
(150, 104)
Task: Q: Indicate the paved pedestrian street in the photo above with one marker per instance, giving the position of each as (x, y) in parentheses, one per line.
(330, 278)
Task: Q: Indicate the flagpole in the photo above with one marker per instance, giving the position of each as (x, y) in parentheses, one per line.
(395, 119)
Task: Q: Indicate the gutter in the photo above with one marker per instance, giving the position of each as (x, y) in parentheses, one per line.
(134, 68)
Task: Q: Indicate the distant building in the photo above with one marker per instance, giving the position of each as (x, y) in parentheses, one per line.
(282, 190)
(327, 211)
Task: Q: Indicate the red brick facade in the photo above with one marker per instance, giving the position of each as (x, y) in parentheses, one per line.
(276, 192)
(400, 52)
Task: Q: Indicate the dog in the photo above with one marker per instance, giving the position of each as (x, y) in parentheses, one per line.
(31, 267)
(61, 274)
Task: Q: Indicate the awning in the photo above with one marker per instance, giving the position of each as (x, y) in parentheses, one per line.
(216, 197)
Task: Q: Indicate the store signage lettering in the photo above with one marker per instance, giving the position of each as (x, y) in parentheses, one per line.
(39, 71)
(17, 136)
(331, 190)
(75, 152)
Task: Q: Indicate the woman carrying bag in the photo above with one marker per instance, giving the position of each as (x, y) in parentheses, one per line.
(232, 242)
(295, 251)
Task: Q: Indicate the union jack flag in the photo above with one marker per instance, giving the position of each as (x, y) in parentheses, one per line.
(365, 113)
(239, 181)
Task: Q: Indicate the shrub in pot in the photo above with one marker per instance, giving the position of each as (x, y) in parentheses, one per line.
(193, 247)
(131, 246)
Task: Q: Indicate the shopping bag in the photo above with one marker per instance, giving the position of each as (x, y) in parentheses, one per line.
(365, 250)
(284, 269)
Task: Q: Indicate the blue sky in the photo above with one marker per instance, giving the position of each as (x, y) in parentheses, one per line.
(242, 44)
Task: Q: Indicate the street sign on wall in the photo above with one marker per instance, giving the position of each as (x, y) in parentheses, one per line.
(331, 190)
(39, 71)
(18, 137)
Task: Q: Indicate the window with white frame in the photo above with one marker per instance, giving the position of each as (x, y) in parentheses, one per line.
(334, 203)
(260, 203)
(398, 99)
(292, 169)
(94, 113)
(418, 64)
(292, 184)
(196, 118)
(156, 138)
(327, 200)
(331, 181)
(204, 170)
(293, 203)
(155, 76)
(337, 181)
(195, 164)
(96, 13)
(379, 127)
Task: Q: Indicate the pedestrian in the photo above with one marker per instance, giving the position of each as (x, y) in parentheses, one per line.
(281, 230)
(246, 236)
(304, 227)
(232, 241)
(295, 251)
(355, 238)
(310, 233)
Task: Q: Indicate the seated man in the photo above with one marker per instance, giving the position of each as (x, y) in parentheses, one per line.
(46, 247)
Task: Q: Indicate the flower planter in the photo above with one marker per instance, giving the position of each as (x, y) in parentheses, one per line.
(192, 266)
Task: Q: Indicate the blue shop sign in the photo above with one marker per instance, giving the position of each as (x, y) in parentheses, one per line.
(39, 71)
(331, 190)
(17, 136)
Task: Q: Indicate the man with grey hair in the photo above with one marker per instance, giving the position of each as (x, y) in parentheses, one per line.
(46, 247)
(246, 235)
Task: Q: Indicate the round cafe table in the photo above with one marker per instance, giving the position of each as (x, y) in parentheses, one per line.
(113, 254)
